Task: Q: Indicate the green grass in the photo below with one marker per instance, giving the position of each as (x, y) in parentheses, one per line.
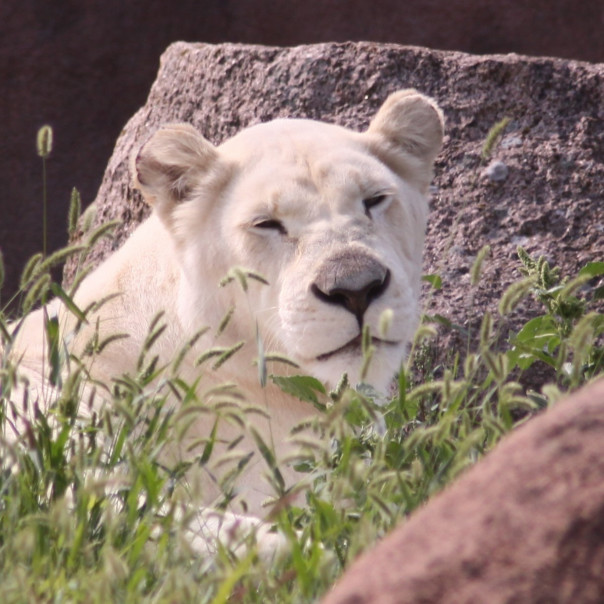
(89, 512)
(70, 533)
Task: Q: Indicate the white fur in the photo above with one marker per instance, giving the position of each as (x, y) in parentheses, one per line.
(208, 202)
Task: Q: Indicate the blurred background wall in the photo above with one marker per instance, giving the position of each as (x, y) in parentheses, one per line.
(86, 67)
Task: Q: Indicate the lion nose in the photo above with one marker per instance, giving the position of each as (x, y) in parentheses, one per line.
(351, 282)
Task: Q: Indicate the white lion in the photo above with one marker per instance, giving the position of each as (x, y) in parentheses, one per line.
(333, 219)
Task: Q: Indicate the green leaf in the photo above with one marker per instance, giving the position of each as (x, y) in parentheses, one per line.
(59, 292)
(209, 447)
(539, 327)
(51, 325)
(524, 357)
(227, 586)
(269, 457)
(592, 269)
(537, 340)
(434, 280)
(4, 331)
(303, 387)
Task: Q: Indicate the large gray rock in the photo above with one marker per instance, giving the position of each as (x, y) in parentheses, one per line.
(550, 200)
(525, 525)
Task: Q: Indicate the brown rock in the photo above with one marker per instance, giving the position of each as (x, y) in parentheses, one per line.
(86, 67)
(526, 524)
(553, 148)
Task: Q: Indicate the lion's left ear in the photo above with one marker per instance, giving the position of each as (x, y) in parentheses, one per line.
(171, 164)
(409, 127)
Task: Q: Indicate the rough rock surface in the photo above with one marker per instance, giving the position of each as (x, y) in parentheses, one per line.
(526, 524)
(550, 201)
(85, 67)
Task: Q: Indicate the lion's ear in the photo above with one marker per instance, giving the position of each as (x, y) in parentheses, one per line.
(409, 124)
(171, 164)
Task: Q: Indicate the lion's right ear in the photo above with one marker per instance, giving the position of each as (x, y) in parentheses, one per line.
(171, 164)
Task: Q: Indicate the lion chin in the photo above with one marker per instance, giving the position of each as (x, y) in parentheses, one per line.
(323, 230)
(384, 360)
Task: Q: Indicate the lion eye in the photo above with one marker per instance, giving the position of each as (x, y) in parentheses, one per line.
(371, 202)
(270, 224)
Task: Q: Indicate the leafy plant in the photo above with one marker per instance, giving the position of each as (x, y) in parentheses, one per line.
(567, 337)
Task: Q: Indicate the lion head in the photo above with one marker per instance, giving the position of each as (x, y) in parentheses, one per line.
(333, 219)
